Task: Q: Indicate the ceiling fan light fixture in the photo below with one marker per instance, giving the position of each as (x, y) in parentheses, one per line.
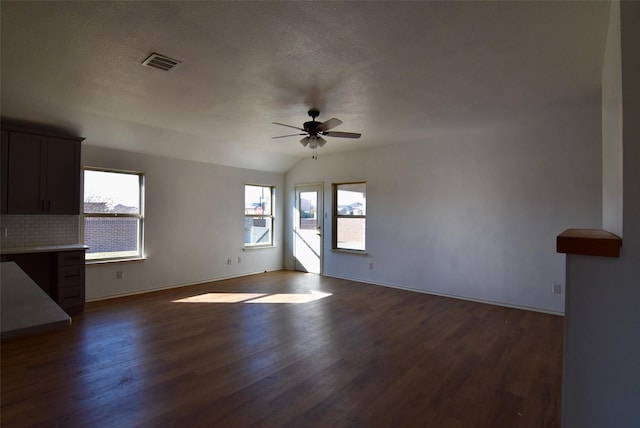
(315, 130)
(316, 142)
(313, 142)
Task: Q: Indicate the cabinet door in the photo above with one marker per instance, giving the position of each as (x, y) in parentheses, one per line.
(25, 191)
(62, 176)
(5, 174)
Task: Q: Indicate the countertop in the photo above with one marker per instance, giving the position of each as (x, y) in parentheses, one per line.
(43, 249)
(589, 242)
(25, 307)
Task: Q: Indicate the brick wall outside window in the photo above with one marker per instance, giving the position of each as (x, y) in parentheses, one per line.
(110, 234)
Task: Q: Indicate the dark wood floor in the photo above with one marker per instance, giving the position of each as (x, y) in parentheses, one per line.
(364, 356)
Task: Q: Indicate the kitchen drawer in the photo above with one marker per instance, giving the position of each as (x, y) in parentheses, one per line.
(61, 274)
(71, 258)
(70, 275)
(70, 296)
(70, 279)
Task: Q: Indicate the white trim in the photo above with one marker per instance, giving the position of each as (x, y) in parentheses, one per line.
(90, 262)
(171, 286)
(259, 247)
(453, 296)
(348, 251)
(320, 217)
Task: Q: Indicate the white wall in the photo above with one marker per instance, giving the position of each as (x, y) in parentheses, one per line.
(601, 385)
(473, 215)
(194, 223)
(612, 129)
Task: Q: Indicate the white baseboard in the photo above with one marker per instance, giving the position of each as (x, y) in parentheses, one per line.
(452, 296)
(179, 285)
(399, 287)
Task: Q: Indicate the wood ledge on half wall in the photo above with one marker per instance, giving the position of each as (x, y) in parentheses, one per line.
(589, 242)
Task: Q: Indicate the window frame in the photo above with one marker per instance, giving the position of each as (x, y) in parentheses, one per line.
(336, 215)
(140, 216)
(269, 217)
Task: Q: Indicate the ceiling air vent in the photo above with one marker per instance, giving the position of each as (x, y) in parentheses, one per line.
(161, 62)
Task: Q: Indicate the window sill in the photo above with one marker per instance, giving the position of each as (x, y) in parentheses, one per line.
(353, 252)
(258, 247)
(103, 262)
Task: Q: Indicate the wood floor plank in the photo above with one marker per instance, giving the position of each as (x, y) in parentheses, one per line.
(217, 354)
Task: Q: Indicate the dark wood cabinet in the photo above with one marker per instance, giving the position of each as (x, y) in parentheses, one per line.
(37, 266)
(43, 173)
(26, 194)
(63, 176)
(69, 280)
(4, 157)
(61, 274)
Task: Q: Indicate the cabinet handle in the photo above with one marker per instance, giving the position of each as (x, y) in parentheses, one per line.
(48, 205)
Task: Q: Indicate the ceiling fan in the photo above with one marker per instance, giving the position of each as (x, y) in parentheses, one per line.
(314, 131)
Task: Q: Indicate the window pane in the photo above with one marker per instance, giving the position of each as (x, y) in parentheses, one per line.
(111, 192)
(257, 200)
(352, 199)
(107, 196)
(308, 210)
(351, 233)
(111, 237)
(257, 231)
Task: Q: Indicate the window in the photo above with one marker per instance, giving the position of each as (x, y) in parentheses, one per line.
(113, 214)
(258, 215)
(349, 216)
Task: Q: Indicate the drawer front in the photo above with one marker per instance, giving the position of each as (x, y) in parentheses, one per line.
(69, 258)
(70, 293)
(70, 276)
(70, 297)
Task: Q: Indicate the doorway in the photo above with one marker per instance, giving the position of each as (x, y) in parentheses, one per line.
(308, 228)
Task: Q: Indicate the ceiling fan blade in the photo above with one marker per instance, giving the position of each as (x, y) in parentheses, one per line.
(288, 126)
(342, 134)
(329, 124)
(290, 135)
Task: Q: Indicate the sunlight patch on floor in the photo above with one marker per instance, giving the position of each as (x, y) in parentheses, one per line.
(291, 297)
(255, 297)
(220, 298)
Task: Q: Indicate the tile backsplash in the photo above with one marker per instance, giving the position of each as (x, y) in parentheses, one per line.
(38, 230)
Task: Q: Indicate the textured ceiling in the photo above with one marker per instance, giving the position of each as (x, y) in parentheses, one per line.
(395, 71)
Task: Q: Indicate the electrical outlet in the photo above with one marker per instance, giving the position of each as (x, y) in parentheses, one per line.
(119, 274)
(556, 289)
(370, 265)
(239, 259)
(228, 261)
